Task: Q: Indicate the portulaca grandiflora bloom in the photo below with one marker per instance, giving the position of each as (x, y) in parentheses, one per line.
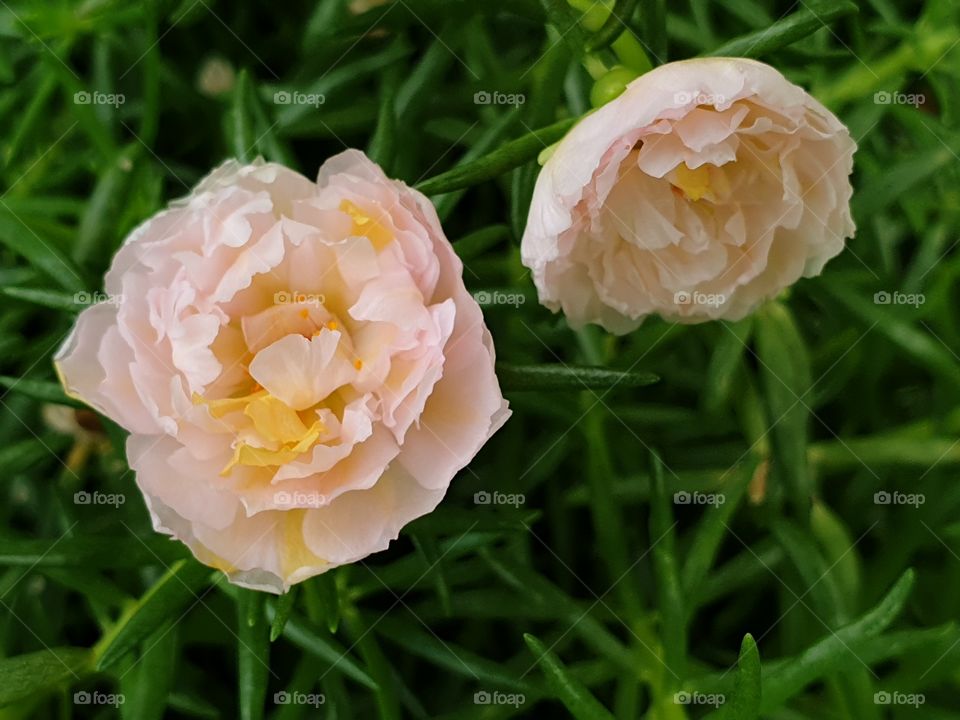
(299, 364)
(707, 187)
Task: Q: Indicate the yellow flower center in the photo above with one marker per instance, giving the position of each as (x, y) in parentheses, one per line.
(274, 420)
(365, 226)
(695, 184)
(710, 182)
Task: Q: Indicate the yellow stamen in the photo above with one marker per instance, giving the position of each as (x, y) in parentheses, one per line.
(358, 364)
(219, 408)
(694, 183)
(366, 226)
(275, 420)
(261, 457)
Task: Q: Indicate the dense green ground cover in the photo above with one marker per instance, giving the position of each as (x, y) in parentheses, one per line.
(806, 492)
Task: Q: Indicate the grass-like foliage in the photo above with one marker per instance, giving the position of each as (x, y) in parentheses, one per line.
(749, 520)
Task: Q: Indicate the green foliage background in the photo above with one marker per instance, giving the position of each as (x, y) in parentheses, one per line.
(801, 596)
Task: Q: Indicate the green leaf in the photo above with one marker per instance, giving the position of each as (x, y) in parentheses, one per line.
(89, 117)
(892, 182)
(785, 372)
(42, 390)
(727, 358)
(839, 550)
(711, 530)
(489, 138)
(479, 241)
(24, 676)
(744, 701)
(282, 607)
(41, 253)
(653, 15)
(147, 684)
(240, 123)
(672, 601)
(927, 351)
(452, 658)
(541, 594)
(302, 633)
(382, 148)
(322, 599)
(836, 650)
(506, 157)
(885, 449)
(426, 546)
(163, 603)
(388, 701)
(808, 19)
(829, 603)
(106, 201)
(45, 298)
(17, 457)
(567, 689)
(253, 654)
(89, 552)
(31, 116)
(565, 377)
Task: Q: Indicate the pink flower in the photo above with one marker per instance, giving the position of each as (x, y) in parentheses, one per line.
(707, 187)
(300, 366)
